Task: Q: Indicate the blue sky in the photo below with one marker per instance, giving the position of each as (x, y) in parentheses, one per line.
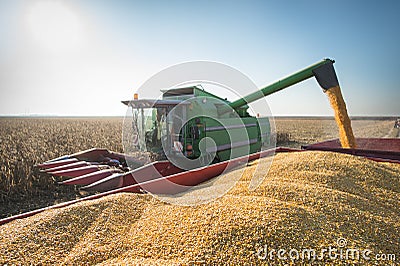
(83, 57)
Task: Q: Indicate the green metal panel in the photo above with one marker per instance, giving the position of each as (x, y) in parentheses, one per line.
(230, 135)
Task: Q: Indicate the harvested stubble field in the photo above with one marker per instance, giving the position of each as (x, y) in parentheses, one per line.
(294, 132)
(308, 200)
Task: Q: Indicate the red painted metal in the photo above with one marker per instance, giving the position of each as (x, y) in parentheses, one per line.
(99, 155)
(91, 155)
(75, 172)
(66, 167)
(90, 178)
(145, 173)
(109, 183)
(47, 165)
(184, 180)
(377, 149)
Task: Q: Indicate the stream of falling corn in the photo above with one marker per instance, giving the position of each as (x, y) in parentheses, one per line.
(342, 118)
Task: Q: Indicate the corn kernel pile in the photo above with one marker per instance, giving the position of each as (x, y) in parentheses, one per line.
(342, 118)
(307, 200)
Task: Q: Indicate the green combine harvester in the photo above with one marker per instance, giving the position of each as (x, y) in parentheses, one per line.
(193, 123)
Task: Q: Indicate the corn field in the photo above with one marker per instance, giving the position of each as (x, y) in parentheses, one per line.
(25, 142)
